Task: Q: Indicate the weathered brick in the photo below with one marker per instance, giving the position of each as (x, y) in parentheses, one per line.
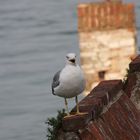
(99, 97)
(135, 64)
(106, 16)
(74, 122)
(120, 121)
(86, 135)
(110, 86)
(95, 131)
(82, 10)
(130, 83)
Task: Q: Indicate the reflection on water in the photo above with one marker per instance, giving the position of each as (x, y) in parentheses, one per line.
(34, 38)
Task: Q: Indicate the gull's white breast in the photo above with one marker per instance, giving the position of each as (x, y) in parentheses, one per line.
(72, 82)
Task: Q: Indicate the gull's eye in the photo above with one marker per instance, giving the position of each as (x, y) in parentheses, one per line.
(67, 57)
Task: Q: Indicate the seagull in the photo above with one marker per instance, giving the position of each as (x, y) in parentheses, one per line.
(69, 82)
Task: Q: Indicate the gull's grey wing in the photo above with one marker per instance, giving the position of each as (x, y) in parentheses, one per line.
(56, 81)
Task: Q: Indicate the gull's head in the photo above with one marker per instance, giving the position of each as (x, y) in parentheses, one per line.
(71, 58)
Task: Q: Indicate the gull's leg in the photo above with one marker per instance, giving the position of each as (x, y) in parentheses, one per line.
(77, 106)
(66, 104)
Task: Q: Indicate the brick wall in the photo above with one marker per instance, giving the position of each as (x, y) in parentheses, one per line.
(132, 85)
(111, 111)
(107, 38)
(106, 15)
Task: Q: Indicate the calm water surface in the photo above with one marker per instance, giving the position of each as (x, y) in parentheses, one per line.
(35, 35)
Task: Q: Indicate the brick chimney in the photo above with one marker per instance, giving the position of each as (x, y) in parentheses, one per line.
(107, 38)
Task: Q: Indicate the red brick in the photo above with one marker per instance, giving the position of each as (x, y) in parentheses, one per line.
(131, 117)
(74, 122)
(123, 122)
(86, 135)
(130, 108)
(111, 124)
(95, 131)
(104, 129)
(130, 8)
(82, 11)
(130, 83)
(110, 86)
(135, 64)
(120, 122)
(94, 10)
(87, 103)
(116, 15)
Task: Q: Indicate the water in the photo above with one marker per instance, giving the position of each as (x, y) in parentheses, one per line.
(35, 35)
